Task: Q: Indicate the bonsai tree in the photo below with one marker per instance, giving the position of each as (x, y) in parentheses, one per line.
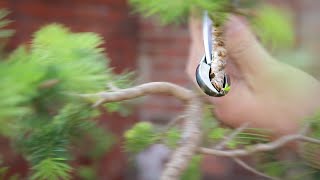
(63, 71)
(39, 113)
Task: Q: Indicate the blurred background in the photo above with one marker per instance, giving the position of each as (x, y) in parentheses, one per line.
(154, 52)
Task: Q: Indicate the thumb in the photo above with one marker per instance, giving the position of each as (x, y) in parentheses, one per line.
(245, 52)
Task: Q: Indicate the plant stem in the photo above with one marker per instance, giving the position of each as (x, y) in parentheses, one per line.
(219, 54)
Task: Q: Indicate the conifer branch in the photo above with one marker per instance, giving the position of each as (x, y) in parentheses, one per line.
(112, 87)
(231, 136)
(238, 160)
(143, 90)
(175, 121)
(191, 133)
(251, 169)
(219, 54)
(260, 147)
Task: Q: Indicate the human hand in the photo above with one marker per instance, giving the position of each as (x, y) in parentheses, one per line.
(264, 92)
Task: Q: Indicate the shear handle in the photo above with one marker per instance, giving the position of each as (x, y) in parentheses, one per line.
(207, 37)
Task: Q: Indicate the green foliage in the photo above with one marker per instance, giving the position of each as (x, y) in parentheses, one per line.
(17, 86)
(249, 3)
(76, 56)
(309, 151)
(275, 169)
(217, 133)
(306, 167)
(253, 136)
(144, 134)
(274, 27)
(315, 125)
(5, 33)
(52, 140)
(316, 175)
(172, 138)
(216, 6)
(36, 111)
(3, 171)
(139, 137)
(193, 171)
(209, 121)
(311, 154)
(285, 169)
(171, 11)
(87, 173)
(51, 169)
(246, 138)
(227, 88)
(102, 139)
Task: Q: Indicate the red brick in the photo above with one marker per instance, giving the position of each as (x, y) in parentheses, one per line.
(4, 4)
(113, 3)
(76, 12)
(216, 166)
(109, 18)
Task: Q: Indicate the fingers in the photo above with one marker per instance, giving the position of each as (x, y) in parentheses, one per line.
(247, 58)
(196, 49)
(195, 28)
(243, 48)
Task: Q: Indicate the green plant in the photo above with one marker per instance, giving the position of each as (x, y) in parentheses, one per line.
(140, 137)
(45, 113)
(5, 33)
(40, 111)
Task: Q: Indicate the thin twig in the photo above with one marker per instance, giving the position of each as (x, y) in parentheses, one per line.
(191, 138)
(251, 169)
(112, 87)
(259, 147)
(231, 136)
(174, 122)
(237, 160)
(145, 89)
(305, 129)
(191, 133)
(49, 84)
(219, 56)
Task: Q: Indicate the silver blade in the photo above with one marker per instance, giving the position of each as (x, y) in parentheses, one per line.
(207, 27)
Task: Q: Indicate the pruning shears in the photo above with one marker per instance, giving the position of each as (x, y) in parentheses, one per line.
(203, 69)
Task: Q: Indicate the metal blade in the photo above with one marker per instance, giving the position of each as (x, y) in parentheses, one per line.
(207, 27)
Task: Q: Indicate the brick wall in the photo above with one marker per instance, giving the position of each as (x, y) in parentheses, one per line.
(109, 18)
(163, 53)
(112, 20)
